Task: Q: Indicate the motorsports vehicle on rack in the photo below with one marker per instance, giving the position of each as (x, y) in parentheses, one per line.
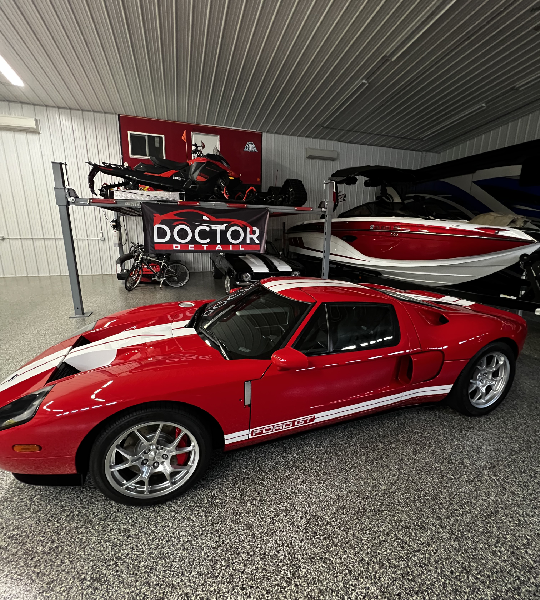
(141, 398)
(205, 177)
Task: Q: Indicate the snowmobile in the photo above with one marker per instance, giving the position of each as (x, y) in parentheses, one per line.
(204, 177)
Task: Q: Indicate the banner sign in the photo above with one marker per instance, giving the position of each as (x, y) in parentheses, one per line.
(199, 229)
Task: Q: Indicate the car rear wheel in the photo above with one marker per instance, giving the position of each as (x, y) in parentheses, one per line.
(485, 381)
(150, 456)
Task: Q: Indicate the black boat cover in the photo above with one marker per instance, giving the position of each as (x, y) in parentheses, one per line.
(526, 154)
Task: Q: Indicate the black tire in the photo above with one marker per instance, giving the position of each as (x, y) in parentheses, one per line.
(176, 274)
(293, 192)
(466, 384)
(217, 273)
(133, 278)
(102, 454)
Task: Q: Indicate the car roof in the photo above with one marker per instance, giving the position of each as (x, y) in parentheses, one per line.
(323, 290)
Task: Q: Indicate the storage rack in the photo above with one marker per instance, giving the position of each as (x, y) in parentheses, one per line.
(67, 197)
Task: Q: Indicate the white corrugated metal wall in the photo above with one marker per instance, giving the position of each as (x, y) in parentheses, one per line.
(29, 221)
(284, 157)
(30, 234)
(520, 130)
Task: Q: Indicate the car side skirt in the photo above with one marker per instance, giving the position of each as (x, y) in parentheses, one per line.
(247, 437)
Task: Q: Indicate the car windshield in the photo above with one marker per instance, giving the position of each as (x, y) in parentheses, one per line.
(251, 324)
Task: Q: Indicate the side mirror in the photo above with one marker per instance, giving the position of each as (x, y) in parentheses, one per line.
(288, 358)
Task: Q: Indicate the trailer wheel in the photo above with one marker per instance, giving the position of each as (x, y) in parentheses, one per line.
(293, 192)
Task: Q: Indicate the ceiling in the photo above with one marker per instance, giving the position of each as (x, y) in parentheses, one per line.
(417, 74)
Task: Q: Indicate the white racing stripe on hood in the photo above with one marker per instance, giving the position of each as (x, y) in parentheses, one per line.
(103, 352)
(39, 366)
(100, 353)
(280, 265)
(254, 263)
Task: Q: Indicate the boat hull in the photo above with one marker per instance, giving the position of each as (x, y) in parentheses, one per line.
(425, 253)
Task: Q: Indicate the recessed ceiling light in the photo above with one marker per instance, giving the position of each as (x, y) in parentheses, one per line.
(9, 73)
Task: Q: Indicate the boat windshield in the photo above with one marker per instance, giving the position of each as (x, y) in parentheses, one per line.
(253, 323)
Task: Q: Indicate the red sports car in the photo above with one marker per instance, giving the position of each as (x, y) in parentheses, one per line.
(142, 398)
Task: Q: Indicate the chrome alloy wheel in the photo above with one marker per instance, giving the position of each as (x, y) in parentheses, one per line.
(151, 459)
(490, 377)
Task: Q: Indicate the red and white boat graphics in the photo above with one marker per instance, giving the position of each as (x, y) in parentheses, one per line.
(433, 253)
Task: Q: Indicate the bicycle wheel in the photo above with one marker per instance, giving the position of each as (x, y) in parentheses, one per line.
(176, 274)
(133, 277)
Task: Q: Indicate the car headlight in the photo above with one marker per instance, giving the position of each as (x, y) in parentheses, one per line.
(245, 277)
(295, 273)
(23, 409)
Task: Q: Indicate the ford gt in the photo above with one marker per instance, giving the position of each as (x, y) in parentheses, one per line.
(140, 400)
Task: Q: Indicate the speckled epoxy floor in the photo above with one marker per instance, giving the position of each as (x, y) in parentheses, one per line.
(415, 503)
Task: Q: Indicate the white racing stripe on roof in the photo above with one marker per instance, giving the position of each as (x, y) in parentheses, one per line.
(278, 286)
(239, 436)
(280, 265)
(254, 263)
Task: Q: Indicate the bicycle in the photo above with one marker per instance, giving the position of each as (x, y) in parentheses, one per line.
(162, 269)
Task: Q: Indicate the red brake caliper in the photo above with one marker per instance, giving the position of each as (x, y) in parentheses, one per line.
(181, 459)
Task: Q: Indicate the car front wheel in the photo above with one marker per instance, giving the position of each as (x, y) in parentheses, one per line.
(485, 381)
(150, 456)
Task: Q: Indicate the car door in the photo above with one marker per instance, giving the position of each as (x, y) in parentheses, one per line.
(355, 353)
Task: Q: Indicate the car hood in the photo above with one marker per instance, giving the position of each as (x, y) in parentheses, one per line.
(156, 332)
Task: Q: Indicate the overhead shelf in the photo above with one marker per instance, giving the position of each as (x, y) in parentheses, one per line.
(132, 207)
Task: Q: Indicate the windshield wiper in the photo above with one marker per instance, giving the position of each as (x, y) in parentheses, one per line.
(217, 341)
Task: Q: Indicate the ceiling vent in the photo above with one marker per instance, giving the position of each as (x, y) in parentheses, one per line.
(320, 154)
(9, 123)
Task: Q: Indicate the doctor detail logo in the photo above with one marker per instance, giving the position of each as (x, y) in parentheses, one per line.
(203, 229)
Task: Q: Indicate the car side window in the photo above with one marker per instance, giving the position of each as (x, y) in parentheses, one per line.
(314, 338)
(362, 326)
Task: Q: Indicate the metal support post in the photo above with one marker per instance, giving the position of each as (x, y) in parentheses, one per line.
(62, 202)
(329, 205)
(119, 236)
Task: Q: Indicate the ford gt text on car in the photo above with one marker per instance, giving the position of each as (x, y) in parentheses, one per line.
(140, 400)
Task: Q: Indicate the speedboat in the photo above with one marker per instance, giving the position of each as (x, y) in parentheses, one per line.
(424, 252)
(388, 239)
